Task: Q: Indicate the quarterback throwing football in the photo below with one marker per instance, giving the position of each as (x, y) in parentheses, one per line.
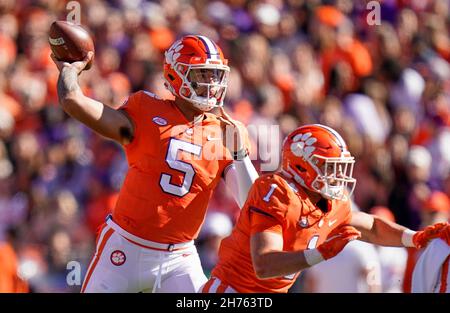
(147, 242)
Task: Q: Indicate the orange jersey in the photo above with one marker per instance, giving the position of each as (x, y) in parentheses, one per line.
(277, 206)
(171, 173)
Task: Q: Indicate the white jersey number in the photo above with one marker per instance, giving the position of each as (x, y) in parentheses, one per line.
(269, 194)
(172, 160)
(312, 243)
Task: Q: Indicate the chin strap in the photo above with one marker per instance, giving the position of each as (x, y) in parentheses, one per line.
(203, 103)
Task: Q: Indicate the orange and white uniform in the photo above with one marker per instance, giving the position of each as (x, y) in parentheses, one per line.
(162, 203)
(431, 272)
(170, 179)
(273, 205)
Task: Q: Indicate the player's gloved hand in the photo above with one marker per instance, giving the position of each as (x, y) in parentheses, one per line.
(337, 241)
(234, 135)
(334, 244)
(421, 238)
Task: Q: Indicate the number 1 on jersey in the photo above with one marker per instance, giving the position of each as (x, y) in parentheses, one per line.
(269, 194)
(312, 243)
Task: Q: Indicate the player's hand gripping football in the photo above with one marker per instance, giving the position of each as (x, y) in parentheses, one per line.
(337, 240)
(78, 66)
(421, 238)
(234, 135)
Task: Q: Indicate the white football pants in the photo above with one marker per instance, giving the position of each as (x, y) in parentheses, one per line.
(126, 263)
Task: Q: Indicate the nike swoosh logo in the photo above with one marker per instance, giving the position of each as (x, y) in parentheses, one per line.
(209, 138)
(330, 223)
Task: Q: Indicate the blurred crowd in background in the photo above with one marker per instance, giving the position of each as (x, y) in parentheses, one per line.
(383, 85)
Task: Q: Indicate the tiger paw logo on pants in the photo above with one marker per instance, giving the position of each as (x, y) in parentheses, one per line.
(118, 258)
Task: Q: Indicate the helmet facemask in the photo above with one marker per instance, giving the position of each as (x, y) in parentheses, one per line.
(204, 85)
(334, 178)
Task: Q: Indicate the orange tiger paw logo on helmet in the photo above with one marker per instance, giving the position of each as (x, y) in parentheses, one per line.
(173, 53)
(302, 145)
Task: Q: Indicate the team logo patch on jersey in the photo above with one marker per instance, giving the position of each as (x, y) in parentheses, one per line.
(118, 258)
(159, 121)
(303, 222)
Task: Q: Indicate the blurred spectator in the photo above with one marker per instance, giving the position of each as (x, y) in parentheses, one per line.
(408, 195)
(216, 227)
(408, 91)
(356, 269)
(392, 259)
(363, 111)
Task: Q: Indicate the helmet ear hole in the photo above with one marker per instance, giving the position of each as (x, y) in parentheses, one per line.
(171, 77)
(301, 169)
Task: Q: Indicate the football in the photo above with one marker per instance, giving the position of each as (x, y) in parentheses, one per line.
(70, 42)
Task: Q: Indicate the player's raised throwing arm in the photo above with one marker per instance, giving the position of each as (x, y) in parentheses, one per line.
(102, 119)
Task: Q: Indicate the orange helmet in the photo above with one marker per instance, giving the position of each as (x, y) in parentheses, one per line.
(196, 70)
(317, 158)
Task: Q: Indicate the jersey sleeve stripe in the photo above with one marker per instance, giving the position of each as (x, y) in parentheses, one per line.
(444, 276)
(222, 287)
(101, 245)
(207, 287)
(259, 211)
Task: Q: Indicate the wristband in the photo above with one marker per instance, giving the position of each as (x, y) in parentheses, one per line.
(407, 238)
(313, 256)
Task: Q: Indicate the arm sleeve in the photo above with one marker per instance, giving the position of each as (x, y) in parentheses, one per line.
(239, 177)
(369, 262)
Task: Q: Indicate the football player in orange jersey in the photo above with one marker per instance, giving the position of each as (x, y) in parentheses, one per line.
(177, 156)
(431, 273)
(301, 216)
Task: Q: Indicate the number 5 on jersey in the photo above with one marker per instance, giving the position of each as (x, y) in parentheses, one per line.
(187, 169)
